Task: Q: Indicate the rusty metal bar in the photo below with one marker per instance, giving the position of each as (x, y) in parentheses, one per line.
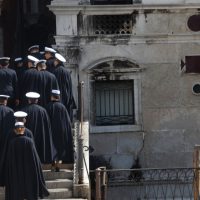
(103, 183)
(80, 138)
(98, 183)
(196, 166)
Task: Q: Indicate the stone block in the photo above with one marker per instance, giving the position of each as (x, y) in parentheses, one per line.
(103, 143)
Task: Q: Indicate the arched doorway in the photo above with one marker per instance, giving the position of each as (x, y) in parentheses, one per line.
(26, 23)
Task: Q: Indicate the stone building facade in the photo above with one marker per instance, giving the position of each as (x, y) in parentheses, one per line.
(141, 83)
(140, 65)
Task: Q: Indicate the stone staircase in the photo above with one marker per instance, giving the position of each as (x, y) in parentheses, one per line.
(59, 184)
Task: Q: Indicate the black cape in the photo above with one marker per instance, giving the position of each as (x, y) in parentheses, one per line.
(28, 83)
(6, 124)
(38, 122)
(61, 131)
(65, 84)
(46, 82)
(50, 64)
(9, 83)
(9, 136)
(24, 178)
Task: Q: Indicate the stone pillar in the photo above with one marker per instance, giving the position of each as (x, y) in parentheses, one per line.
(81, 186)
(67, 40)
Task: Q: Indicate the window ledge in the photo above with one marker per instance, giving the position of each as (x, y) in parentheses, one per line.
(115, 128)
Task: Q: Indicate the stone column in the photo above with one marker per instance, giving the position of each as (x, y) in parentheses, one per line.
(67, 40)
(81, 187)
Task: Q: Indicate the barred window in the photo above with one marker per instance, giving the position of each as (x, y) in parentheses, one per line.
(112, 24)
(105, 2)
(114, 102)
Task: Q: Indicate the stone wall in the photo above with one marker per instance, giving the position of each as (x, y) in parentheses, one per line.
(169, 111)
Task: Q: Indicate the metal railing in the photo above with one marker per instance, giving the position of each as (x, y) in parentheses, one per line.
(151, 184)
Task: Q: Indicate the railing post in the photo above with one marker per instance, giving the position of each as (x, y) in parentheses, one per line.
(196, 172)
(101, 181)
(104, 183)
(81, 186)
(98, 183)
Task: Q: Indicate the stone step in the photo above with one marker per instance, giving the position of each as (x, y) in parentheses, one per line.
(60, 193)
(62, 166)
(68, 199)
(59, 183)
(2, 196)
(63, 174)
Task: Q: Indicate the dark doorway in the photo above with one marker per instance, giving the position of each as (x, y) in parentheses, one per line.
(25, 23)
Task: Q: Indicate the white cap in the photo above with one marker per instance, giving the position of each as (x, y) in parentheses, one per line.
(60, 57)
(48, 49)
(32, 58)
(18, 59)
(19, 124)
(4, 96)
(40, 61)
(20, 114)
(32, 95)
(55, 92)
(4, 58)
(33, 47)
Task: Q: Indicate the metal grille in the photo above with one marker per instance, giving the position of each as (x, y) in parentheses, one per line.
(151, 184)
(107, 2)
(114, 102)
(112, 24)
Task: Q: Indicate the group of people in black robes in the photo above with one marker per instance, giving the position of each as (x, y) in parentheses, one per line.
(36, 113)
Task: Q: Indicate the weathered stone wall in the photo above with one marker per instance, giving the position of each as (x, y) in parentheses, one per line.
(169, 114)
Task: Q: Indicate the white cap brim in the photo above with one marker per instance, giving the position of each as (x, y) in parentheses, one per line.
(20, 114)
(48, 49)
(32, 58)
(33, 47)
(4, 96)
(4, 58)
(60, 57)
(19, 124)
(56, 92)
(18, 59)
(32, 95)
(40, 61)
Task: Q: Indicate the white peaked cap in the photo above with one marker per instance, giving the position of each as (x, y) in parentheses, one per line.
(20, 114)
(18, 59)
(19, 124)
(33, 47)
(48, 49)
(4, 96)
(56, 92)
(32, 95)
(4, 58)
(32, 58)
(40, 61)
(60, 57)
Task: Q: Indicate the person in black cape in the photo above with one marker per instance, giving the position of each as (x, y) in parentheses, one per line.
(6, 124)
(38, 122)
(65, 84)
(49, 55)
(35, 51)
(47, 81)
(19, 68)
(61, 130)
(29, 79)
(8, 82)
(24, 178)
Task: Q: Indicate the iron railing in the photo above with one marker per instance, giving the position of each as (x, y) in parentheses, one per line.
(151, 184)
